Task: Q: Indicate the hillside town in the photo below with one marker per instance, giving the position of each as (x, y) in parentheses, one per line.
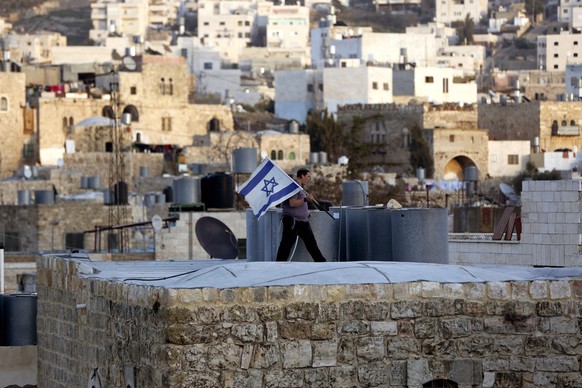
(128, 127)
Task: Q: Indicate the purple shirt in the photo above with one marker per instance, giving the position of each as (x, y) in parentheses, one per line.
(300, 213)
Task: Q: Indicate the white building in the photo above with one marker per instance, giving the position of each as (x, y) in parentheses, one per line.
(288, 27)
(554, 52)
(448, 11)
(559, 161)
(321, 40)
(420, 49)
(507, 158)
(35, 48)
(574, 82)
(570, 11)
(462, 57)
(299, 91)
(128, 18)
(435, 85)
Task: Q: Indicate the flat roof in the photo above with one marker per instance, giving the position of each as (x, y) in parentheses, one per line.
(217, 273)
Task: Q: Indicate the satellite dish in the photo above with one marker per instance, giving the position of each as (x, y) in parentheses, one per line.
(509, 193)
(157, 223)
(27, 172)
(216, 238)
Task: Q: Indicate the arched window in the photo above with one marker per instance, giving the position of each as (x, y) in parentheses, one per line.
(555, 127)
(162, 86)
(3, 104)
(108, 112)
(405, 137)
(65, 123)
(71, 121)
(280, 155)
(138, 137)
(214, 125)
(564, 123)
(171, 87)
(291, 155)
(274, 155)
(132, 110)
(440, 383)
(572, 122)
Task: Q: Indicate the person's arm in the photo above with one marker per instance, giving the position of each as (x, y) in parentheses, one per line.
(296, 202)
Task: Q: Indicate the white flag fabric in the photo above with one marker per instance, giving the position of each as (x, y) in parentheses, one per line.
(268, 186)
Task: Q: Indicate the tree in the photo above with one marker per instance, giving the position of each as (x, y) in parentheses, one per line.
(420, 156)
(465, 31)
(325, 134)
(533, 8)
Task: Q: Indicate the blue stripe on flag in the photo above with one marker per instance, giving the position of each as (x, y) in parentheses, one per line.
(257, 179)
(277, 196)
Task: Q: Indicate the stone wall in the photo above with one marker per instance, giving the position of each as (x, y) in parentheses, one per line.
(11, 121)
(510, 334)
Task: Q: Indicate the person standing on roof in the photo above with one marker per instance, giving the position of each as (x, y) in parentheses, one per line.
(296, 222)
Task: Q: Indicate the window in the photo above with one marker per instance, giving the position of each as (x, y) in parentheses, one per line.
(512, 159)
(247, 23)
(3, 104)
(221, 23)
(451, 138)
(239, 23)
(572, 123)
(386, 86)
(280, 155)
(445, 85)
(575, 43)
(75, 241)
(375, 85)
(320, 86)
(564, 123)
(162, 86)
(310, 88)
(171, 87)
(166, 124)
(555, 66)
(428, 80)
(133, 90)
(291, 155)
(493, 158)
(65, 123)
(555, 43)
(555, 55)
(207, 65)
(274, 155)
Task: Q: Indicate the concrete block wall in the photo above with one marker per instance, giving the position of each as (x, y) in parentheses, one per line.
(180, 241)
(518, 333)
(551, 230)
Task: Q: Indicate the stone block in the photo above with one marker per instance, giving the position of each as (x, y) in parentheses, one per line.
(475, 346)
(346, 351)
(295, 330)
(301, 310)
(265, 356)
(283, 378)
(560, 290)
(325, 353)
(317, 378)
(370, 348)
(269, 312)
(454, 328)
(374, 375)
(402, 348)
(249, 332)
(322, 331)
(549, 309)
(558, 364)
(383, 328)
(512, 345)
(296, 354)
(436, 346)
(355, 327)
(406, 309)
(343, 377)
(224, 356)
(559, 325)
(377, 311)
(498, 290)
(418, 373)
(426, 327)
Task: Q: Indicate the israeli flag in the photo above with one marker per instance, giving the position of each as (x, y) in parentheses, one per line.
(268, 186)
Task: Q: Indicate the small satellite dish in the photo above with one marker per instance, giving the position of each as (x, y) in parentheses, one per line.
(509, 193)
(216, 238)
(157, 223)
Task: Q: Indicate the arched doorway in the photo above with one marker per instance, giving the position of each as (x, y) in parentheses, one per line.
(455, 168)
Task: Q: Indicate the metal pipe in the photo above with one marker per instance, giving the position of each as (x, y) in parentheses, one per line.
(1, 268)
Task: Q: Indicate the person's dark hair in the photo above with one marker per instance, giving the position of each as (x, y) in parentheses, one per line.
(302, 172)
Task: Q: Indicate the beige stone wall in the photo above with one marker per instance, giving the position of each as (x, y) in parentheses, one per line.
(468, 143)
(12, 86)
(529, 120)
(398, 335)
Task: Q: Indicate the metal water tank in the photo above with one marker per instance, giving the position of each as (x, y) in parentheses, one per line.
(244, 160)
(217, 191)
(44, 197)
(356, 233)
(355, 193)
(186, 190)
(18, 323)
(84, 182)
(95, 182)
(379, 234)
(322, 157)
(420, 235)
(107, 197)
(293, 127)
(23, 197)
(314, 157)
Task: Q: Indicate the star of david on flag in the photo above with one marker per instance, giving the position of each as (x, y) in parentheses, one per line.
(268, 186)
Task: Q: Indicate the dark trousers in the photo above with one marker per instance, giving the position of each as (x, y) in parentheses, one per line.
(293, 228)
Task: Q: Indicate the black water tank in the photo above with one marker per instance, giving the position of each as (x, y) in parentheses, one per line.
(169, 193)
(18, 320)
(217, 191)
(120, 193)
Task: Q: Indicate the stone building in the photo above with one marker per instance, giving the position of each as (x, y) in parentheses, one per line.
(554, 124)
(451, 133)
(12, 123)
(156, 97)
(227, 324)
